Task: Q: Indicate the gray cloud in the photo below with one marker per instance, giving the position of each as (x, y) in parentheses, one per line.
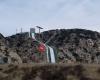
(53, 13)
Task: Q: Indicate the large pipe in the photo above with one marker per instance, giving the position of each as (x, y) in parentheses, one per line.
(52, 55)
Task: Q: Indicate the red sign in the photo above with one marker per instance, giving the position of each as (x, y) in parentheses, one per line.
(41, 48)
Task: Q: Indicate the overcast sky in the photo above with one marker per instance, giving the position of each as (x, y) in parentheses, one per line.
(49, 14)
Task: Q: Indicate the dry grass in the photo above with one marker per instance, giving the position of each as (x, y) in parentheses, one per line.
(50, 72)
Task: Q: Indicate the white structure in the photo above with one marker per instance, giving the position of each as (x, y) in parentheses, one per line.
(32, 33)
(50, 55)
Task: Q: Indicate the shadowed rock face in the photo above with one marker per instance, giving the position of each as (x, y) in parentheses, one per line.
(72, 45)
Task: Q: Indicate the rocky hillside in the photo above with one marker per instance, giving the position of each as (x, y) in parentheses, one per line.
(71, 45)
(75, 45)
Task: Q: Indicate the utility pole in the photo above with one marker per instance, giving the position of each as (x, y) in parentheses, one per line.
(16, 30)
(21, 30)
(39, 31)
